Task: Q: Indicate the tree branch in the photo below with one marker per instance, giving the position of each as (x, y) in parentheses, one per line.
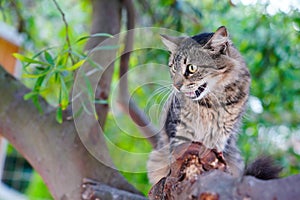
(127, 103)
(95, 190)
(53, 149)
(200, 173)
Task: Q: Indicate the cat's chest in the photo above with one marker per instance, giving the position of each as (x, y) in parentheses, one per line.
(199, 122)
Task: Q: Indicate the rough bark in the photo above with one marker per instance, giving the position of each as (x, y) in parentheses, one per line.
(96, 190)
(53, 149)
(200, 173)
(216, 185)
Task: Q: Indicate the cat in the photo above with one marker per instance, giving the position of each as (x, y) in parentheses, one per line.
(211, 86)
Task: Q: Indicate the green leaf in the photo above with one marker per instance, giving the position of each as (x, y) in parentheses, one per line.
(75, 66)
(29, 95)
(36, 75)
(59, 117)
(62, 59)
(64, 94)
(28, 60)
(35, 100)
(38, 84)
(94, 35)
(49, 58)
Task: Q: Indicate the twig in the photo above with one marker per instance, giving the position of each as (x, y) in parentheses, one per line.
(67, 30)
(127, 104)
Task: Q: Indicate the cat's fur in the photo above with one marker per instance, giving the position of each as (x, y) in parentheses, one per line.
(208, 104)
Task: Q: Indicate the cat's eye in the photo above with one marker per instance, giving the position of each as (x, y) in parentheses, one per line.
(192, 68)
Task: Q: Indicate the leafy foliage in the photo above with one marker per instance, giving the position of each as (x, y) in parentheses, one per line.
(48, 71)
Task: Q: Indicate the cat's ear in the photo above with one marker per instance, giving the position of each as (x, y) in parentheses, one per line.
(171, 42)
(219, 41)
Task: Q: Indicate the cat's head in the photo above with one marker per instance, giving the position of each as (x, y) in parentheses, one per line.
(200, 63)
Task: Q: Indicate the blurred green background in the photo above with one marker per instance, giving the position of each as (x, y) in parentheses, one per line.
(267, 33)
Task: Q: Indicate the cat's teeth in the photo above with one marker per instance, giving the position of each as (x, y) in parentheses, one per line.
(190, 94)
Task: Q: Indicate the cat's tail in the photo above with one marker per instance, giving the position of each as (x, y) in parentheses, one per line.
(263, 168)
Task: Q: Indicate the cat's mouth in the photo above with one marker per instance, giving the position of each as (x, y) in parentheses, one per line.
(197, 93)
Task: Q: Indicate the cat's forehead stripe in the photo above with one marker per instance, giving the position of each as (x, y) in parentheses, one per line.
(177, 58)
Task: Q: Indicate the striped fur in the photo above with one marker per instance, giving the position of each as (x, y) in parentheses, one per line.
(208, 104)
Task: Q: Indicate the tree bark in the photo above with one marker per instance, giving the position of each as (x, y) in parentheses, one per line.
(95, 190)
(200, 173)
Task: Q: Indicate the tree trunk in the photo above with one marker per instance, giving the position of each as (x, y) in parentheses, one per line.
(106, 19)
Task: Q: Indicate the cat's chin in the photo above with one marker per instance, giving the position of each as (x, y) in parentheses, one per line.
(197, 94)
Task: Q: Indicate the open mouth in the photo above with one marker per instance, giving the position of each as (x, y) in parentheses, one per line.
(197, 93)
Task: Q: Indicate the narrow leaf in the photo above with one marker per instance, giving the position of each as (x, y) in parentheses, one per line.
(36, 75)
(28, 60)
(35, 100)
(75, 66)
(49, 58)
(94, 35)
(29, 95)
(64, 94)
(59, 117)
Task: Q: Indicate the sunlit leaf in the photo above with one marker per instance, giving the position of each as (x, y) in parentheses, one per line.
(64, 94)
(36, 75)
(29, 60)
(75, 66)
(61, 59)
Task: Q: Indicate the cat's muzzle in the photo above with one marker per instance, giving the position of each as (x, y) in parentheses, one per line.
(197, 93)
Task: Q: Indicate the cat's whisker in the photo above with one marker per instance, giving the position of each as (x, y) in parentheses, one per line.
(159, 90)
(164, 98)
(198, 118)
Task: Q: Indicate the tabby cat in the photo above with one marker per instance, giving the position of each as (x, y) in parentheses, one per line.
(211, 86)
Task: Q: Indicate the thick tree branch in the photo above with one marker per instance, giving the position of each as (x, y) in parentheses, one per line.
(200, 173)
(53, 149)
(95, 190)
(127, 103)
